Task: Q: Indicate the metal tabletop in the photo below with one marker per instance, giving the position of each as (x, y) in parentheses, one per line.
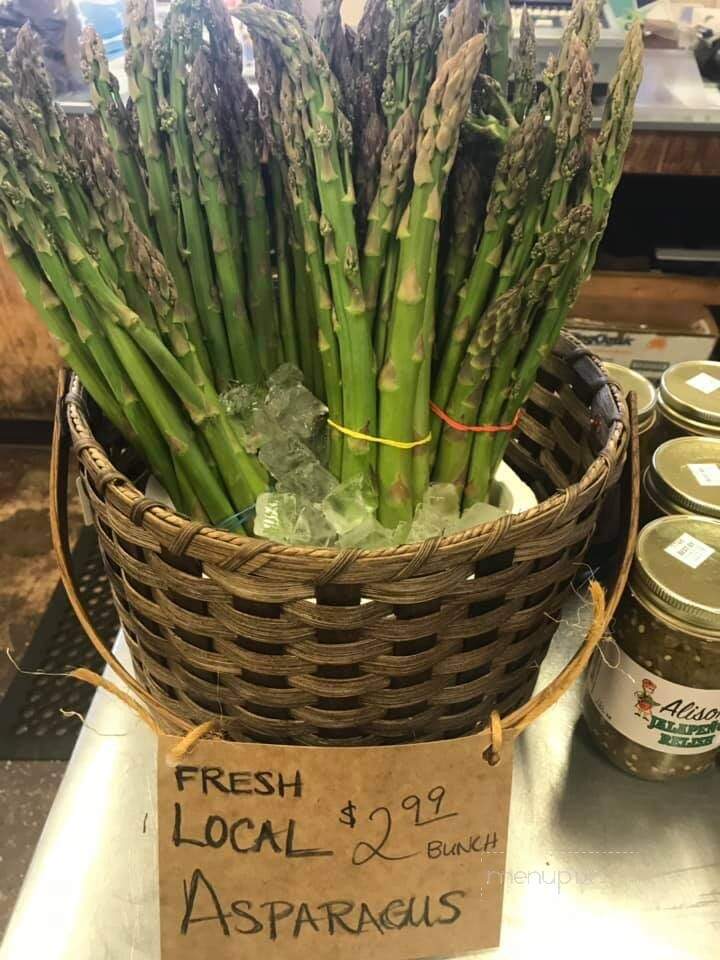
(599, 864)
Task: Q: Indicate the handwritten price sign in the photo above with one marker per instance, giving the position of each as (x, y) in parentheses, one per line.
(397, 851)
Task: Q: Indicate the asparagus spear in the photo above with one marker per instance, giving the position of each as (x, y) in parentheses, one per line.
(44, 125)
(307, 227)
(329, 138)
(463, 22)
(331, 37)
(500, 322)
(280, 215)
(514, 174)
(446, 105)
(499, 32)
(369, 124)
(396, 161)
(20, 214)
(175, 51)
(524, 93)
(468, 192)
(284, 136)
(608, 154)
(396, 86)
(141, 73)
(370, 136)
(610, 146)
(102, 183)
(131, 338)
(483, 384)
(243, 140)
(203, 126)
(387, 206)
(105, 96)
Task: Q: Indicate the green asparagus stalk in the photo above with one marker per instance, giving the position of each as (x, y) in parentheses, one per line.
(426, 37)
(131, 338)
(105, 97)
(499, 33)
(141, 73)
(203, 125)
(608, 154)
(369, 123)
(239, 117)
(102, 184)
(483, 402)
(44, 126)
(331, 37)
(370, 136)
(514, 174)
(500, 322)
(446, 105)
(396, 163)
(307, 226)
(396, 86)
(468, 192)
(329, 138)
(20, 215)
(610, 146)
(175, 51)
(383, 316)
(307, 332)
(524, 93)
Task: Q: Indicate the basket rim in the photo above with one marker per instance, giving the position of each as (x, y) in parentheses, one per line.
(182, 529)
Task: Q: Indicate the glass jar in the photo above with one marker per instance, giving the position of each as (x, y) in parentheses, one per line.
(689, 400)
(683, 477)
(628, 380)
(652, 699)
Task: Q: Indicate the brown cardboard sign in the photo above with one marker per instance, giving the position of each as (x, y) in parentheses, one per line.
(391, 852)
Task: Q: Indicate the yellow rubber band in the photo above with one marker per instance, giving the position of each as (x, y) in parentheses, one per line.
(398, 444)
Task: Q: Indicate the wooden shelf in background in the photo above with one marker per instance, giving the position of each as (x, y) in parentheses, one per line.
(689, 154)
(649, 299)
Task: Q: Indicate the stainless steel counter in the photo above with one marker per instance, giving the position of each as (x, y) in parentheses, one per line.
(599, 864)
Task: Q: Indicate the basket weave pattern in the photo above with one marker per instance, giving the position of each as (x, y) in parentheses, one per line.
(321, 646)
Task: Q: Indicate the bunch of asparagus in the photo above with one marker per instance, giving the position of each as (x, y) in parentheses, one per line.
(401, 212)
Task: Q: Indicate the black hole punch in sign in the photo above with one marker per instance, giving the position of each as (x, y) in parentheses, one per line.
(31, 724)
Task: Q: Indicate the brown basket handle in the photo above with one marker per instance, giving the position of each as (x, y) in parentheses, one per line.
(59, 469)
(513, 723)
(519, 719)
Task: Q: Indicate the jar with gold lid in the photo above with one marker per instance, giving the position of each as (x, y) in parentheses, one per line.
(652, 699)
(630, 380)
(683, 477)
(689, 399)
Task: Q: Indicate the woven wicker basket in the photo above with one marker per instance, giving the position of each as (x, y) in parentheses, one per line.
(322, 646)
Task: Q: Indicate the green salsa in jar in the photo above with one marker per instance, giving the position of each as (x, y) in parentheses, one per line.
(652, 700)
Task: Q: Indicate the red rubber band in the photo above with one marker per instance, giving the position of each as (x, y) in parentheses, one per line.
(464, 428)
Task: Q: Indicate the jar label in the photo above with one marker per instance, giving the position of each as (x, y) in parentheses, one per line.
(650, 710)
(704, 382)
(689, 550)
(706, 474)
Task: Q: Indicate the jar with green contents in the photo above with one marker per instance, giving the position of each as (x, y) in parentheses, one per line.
(689, 400)
(683, 477)
(652, 700)
(630, 380)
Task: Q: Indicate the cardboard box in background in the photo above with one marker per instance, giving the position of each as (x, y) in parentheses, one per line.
(646, 321)
(649, 351)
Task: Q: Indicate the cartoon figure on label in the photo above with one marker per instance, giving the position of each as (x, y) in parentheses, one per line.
(645, 702)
